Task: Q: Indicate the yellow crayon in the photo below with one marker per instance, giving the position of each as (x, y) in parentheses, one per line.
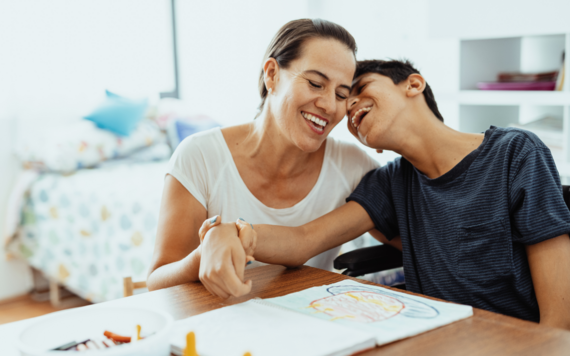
(190, 349)
(247, 354)
(137, 334)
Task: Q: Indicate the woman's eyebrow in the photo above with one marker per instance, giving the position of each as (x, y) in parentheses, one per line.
(314, 71)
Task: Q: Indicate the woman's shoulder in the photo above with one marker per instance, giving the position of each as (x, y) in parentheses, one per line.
(204, 148)
(347, 154)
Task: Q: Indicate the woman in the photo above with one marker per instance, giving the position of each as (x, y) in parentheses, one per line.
(280, 168)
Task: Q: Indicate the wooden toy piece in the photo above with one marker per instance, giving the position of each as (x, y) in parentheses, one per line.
(91, 345)
(117, 338)
(109, 343)
(190, 349)
(99, 343)
(137, 334)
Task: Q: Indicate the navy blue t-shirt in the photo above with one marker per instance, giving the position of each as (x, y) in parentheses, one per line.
(464, 233)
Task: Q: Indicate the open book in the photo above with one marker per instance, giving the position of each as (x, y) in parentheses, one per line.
(338, 319)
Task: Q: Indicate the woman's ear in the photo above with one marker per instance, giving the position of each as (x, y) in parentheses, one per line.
(415, 85)
(270, 74)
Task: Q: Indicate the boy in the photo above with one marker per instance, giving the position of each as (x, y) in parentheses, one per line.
(480, 218)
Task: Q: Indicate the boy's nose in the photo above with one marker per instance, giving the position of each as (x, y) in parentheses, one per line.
(352, 102)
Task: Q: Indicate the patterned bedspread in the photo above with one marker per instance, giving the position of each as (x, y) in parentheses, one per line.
(92, 228)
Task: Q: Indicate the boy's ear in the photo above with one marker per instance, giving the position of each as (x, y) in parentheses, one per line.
(415, 85)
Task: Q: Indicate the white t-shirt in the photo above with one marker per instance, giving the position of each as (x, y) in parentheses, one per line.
(203, 164)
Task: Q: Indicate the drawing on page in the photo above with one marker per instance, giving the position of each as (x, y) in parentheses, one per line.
(368, 304)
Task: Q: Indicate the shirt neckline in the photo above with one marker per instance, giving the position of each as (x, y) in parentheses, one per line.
(460, 167)
(283, 211)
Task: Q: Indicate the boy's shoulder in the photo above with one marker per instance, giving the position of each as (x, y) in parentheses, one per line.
(513, 140)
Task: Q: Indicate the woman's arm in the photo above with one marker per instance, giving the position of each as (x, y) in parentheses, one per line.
(549, 263)
(176, 257)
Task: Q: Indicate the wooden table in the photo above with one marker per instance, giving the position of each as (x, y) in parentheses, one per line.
(485, 333)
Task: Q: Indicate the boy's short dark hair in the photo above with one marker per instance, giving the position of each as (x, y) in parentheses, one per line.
(398, 71)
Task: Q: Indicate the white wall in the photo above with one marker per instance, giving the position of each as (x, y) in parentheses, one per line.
(502, 18)
(221, 48)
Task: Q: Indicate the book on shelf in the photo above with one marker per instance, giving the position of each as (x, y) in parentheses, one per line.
(549, 80)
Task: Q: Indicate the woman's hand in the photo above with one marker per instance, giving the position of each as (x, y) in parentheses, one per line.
(223, 262)
(246, 234)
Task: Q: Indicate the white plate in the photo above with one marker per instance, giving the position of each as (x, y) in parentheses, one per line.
(90, 323)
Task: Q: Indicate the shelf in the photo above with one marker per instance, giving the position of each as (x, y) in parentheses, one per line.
(500, 97)
(563, 169)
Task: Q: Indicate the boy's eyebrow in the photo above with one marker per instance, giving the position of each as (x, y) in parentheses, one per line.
(314, 71)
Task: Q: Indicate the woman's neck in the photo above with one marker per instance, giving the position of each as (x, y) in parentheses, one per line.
(275, 154)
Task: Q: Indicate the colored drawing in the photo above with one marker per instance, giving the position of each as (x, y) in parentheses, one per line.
(368, 305)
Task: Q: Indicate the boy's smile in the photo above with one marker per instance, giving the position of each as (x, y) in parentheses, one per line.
(359, 116)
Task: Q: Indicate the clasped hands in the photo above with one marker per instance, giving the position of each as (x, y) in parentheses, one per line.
(225, 251)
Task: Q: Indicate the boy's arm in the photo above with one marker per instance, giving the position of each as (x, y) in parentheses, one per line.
(289, 246)
(293, 246)
(549, 263)
(395, 242)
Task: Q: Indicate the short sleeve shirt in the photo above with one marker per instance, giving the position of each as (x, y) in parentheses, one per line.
(464, 233)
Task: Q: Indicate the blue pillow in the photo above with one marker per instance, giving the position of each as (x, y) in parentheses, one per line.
(179, 129)
(118, 114)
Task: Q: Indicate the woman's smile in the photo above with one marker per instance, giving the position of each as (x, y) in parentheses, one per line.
(316, 123)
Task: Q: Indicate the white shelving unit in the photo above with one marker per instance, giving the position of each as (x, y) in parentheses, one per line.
(481, 59)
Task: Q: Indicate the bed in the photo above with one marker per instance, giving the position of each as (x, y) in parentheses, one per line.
(89, 229)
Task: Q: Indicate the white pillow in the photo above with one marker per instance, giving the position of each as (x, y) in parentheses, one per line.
(81, 145)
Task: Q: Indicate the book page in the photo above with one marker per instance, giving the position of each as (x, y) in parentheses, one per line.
(389, 315)
(263, 329)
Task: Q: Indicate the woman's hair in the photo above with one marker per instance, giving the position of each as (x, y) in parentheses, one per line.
(286, 45)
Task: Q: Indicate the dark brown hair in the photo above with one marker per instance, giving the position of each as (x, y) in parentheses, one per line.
(285, 47)
(398, 71)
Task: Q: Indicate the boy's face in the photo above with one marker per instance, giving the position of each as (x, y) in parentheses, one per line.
(372, 107)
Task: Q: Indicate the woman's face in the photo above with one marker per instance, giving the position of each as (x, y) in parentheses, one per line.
(309, 97)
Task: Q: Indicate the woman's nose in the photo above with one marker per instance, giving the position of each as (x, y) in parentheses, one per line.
(327, 103)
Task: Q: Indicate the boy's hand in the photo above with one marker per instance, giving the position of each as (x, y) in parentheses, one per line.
(246, 234)
(248, 238)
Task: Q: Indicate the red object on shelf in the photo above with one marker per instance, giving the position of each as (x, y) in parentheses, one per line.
(516, 86)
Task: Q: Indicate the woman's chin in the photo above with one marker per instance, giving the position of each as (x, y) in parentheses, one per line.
(310, 144)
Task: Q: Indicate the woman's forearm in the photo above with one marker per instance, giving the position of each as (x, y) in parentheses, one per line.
(175, 273)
